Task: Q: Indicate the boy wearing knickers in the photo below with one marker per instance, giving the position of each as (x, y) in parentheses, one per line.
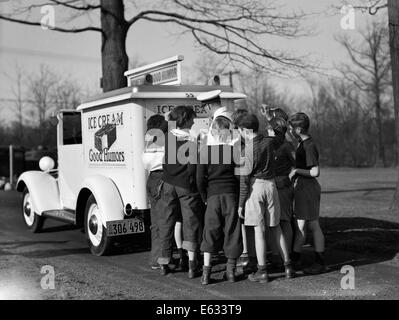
(219, 187)
(152, 158)
(180, 193)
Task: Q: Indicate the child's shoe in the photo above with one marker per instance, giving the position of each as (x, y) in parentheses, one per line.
(164, 269)
(229, 275)
(206, 272)
(155, 266)
(193, 271)
(182, 264)
(260, 275)
(243, 260)
(289, 270)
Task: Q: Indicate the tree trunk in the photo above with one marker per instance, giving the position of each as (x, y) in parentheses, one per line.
(381, 148)
(113, 50)
(393, 13)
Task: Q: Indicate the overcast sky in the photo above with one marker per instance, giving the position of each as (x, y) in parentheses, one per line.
(78, 55)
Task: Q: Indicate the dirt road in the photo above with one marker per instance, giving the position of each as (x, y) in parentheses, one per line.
(80, 275)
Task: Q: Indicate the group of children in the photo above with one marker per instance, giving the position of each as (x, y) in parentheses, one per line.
(234, 191)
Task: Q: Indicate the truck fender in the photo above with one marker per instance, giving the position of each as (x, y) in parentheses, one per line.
(107, 196)
(43, 189)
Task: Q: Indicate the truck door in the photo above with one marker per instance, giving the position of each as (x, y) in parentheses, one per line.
(70, 157)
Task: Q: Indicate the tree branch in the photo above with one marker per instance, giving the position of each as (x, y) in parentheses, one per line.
(68, 4)
(31, 23)
(228, 42)
(372, 8)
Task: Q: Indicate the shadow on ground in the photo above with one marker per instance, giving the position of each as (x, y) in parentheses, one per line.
(7, 248)
(65, 227)
(355, 241)
(367, 190)
(362, 240)
(349, 241)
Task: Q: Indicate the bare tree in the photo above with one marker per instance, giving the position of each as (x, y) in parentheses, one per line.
(260, 91)
(19, 101)
(370, 71)
(341, 122)
(235, 28)
(393, 15)
(66, 94)
(368, 6)
(208, 65)
(373, 6)
(40, 89)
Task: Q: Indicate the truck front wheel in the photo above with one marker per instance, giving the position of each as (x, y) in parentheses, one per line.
(99, 243)
(33, 221)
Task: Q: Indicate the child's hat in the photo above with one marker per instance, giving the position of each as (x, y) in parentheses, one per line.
(223, 112)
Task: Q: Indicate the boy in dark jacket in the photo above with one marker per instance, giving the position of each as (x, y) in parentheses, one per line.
(180, 190)
(219, 188)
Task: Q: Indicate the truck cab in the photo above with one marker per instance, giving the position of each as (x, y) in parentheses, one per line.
(100, 181)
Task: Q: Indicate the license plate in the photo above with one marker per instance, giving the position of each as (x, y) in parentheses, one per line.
(127, 226)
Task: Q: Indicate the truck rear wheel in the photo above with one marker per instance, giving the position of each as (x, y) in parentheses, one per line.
(96, 234)
(33, 221)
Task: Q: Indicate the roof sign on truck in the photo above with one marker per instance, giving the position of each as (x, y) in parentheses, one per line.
(167, 72)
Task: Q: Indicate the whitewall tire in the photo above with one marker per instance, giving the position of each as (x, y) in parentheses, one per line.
(33, 221)
(96, 234)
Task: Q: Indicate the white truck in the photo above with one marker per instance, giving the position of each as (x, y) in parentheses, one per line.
(100, 182)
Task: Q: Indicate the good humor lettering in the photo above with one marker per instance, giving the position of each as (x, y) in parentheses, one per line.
(164, 75)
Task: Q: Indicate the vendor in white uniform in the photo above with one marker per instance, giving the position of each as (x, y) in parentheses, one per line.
(212, 100)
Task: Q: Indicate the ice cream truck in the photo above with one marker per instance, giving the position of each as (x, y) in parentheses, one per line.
(100, 182)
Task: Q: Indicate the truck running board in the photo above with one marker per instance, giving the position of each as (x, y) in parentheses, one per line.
(64, 215)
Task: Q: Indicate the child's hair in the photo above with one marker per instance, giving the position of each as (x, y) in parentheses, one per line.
(300, 120)
(157, 121)
(237, 114)
(248, 121)
(277, 112)
(279, 125)
(221, 129)
(181, 114)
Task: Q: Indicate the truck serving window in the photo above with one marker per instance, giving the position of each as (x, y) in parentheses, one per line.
(72, 128)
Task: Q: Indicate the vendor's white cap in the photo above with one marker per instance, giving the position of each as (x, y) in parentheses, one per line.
(210, 95)
(223, 112)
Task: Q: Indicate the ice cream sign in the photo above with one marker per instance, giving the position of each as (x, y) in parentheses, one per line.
(105, 129)
(162, 106)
